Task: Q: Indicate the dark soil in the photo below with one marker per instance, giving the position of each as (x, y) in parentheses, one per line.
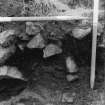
(47, 83)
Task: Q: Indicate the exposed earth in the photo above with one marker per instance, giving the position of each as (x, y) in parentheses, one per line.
(46, 78)
(47, 84)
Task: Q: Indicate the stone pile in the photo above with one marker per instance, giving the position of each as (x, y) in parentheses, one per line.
(45, 35)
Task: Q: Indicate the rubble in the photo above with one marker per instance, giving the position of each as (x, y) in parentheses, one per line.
(71, 78)
(4, 36)
(68, 97)
(32, 28)
(71, 66)
(20, 104)
(100, 28)
(12, 72)
(79, 33)
(51, 50)
(5, 53)
(36, 42)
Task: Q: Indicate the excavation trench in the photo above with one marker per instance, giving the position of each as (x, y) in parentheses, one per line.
(47, 77)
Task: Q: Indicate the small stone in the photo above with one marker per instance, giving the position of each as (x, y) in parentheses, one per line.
(11, 72)
(68, 98)
(20, 104)
(36, 42)
(100, 28)
(49, 104)
(51, 50)
(22, 46)
(73, 94)
(32, 29)
(79, 33)
(71, 78)
(71, 65)
(3, 71)
(5, 53)
(5, 34)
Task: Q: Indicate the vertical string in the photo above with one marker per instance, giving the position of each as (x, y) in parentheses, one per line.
(94, 42)
(24, 5)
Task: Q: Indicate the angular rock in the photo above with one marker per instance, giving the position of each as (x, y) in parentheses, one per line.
(5, 53)
(71, 78)
(20, 104)
(4, 36)
(36, 42)
(53, 32)
(11, 72)
(71, 65)
(100, 28)
(79, 33)
(32, 29)
(65, 27)
(51, 50)
(49, 104)
(68, 97)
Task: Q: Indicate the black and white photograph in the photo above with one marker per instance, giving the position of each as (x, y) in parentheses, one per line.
(52, 52)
